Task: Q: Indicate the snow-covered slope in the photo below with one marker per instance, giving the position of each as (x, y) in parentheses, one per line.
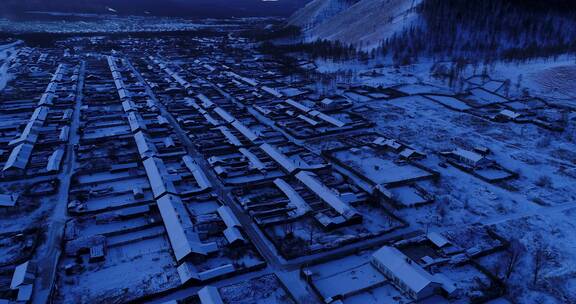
(7, 53)
(319, 11)
(364, 23)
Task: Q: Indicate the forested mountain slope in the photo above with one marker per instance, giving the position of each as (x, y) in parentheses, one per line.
(513, 29)
(485, 29)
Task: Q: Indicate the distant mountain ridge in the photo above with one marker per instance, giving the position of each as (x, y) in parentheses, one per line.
(191, 8)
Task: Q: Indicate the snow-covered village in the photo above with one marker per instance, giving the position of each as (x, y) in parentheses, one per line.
(325, 151)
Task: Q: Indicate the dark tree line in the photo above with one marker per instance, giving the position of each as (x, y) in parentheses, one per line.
(324, 49)
(487, 30)
(277, 32)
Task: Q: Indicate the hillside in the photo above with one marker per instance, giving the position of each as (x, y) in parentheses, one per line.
(488, 30)
(364, 23)
(319, 11)
(407, 29)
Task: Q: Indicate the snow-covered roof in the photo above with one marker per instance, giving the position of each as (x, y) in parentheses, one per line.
(326, 194)
(407, 153)
(156, 171)
(296, 201)
(67, 114)
(210, 295)
(180, 229)
(192, 103)
(308, 120)
(228, 216)
(253, 159)
(224, 115)
(327, 101)
(111, 62)
(314, 113)
(379, 141)
(197, 172)
(136, 122)
(123, 93)
(179, 79)
(231, 138)
(40, 113)
(262, 110)
(8, 200)
(510, 114)
(30, 133)
(145, 147)
(209, 67)
(240, 127)
(58, 74)
(19, 157)
(437, 239)
(405, 270)
(469, 155)
(206, 102)
(46, 99)
(169, 142)
(271, 91)
(187, 271)
(298, 105)
(20, 275)
(233, 235)
(331, 120)
(128, 106)
(52, 87)
(279, 158)
(55, 160)
(247, 80)
(24, 293)
(210, 119)
(162, 120)
(216, 272)
(64, 133)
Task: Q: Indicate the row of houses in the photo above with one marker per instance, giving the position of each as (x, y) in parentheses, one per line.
(180, 226)
(40, 146)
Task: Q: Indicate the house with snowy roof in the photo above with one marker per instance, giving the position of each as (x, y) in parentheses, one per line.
(408, 276)
(469, 158)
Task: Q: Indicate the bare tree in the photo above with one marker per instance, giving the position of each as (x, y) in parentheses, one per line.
(311, 229)
(513, 254)
(506, 87)
(543, 255)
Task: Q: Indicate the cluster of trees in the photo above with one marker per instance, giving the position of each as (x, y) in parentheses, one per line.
(487, 30)
(324, 49)
(275, 32)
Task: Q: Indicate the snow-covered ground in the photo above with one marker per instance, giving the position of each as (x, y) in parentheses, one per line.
(364, 23)
(552, 232)
(7, 53)
(539, 204)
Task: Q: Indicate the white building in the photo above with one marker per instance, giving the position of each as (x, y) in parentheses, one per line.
(210, 295)
(408, 276)
(470, 158)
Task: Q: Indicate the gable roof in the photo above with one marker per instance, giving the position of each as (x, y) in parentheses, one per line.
(403, 268)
